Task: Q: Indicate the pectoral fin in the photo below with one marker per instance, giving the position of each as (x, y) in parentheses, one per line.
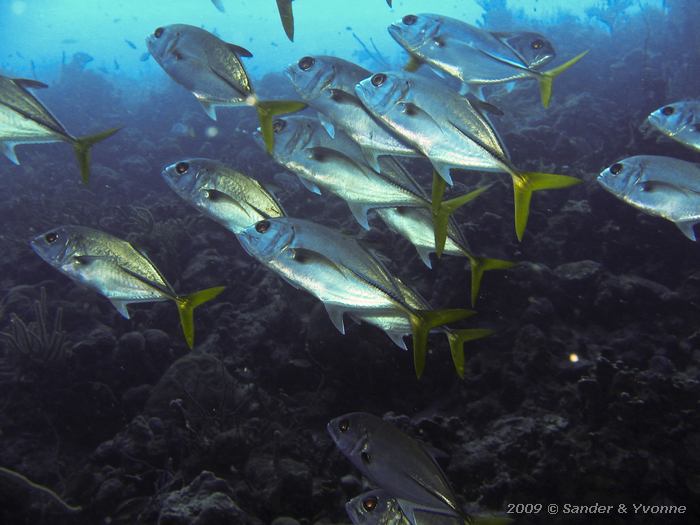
(327, 125)
(313, 188)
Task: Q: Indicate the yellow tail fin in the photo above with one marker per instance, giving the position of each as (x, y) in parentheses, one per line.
(267, 109)
(422, 321)
(457, 338)
(524, 183)
(479, 265)
(186, 305)
(547, 78)
(82, 145)
(442, 210)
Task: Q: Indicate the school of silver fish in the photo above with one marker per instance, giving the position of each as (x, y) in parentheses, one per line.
(352, 144)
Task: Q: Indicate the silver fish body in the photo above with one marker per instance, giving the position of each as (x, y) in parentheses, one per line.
(117, 270)
(396, 462)
(378, 507)
(231, 198)
(25, 120)
(203, 64)
(661, 186)
(679, 121)
(107, 264)
(471, 54)
(437, 121)
(327, 85)
(323, 168)
(447, 129)
(332, 267)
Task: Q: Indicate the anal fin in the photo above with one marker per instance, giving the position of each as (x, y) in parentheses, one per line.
(336, 315)
(687, 227)
(8, 149)
(121, 308)
(360, 211)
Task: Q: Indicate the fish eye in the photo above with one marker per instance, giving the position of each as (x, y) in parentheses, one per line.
(306, 63)
(262, 226)
(344, 425)
(378, 79)
(182, 167)
(158, 32)
(537, 44)
(616, 168)
(409, 20)
(668, 110)
(279, 125)
(51, 237)
(366, 458)
(370, 503)
(439, 42)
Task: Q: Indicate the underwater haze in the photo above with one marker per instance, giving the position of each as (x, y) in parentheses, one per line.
(220, 251)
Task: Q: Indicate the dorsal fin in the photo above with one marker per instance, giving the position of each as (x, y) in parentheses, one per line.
(29, 83)
(239, 50)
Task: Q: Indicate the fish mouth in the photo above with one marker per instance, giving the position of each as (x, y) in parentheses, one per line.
(309, 88)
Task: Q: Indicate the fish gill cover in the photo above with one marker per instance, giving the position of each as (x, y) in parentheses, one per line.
(575, 397)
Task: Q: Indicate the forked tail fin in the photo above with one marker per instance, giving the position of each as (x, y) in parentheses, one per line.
(457, 338)
(442, 210)
(82, 145)
(422, 321)
(186, 305)
(479, 265)
(546, 78)
(267, 110)
(524, 183)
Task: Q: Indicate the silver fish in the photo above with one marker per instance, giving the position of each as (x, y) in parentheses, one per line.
(475, 56)
(415, 221)
(450, 132)
(327, 84)
(300, 147)
(212, 70)
(25, 120)
(679, 121)
(661, 186)
(342, 274)
(228, 196)
(117, 270)
(378, 507)
(395, 462)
